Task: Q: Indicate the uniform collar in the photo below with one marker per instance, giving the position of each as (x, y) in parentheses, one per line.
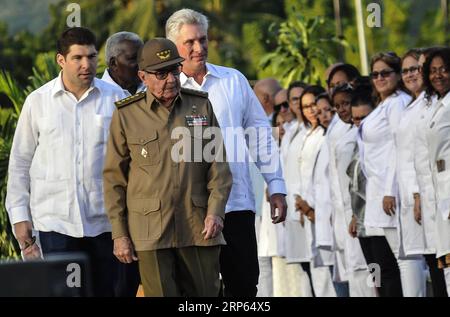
(152, 103)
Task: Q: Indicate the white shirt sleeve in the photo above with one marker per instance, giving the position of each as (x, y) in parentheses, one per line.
(265, 151)
(22, 152)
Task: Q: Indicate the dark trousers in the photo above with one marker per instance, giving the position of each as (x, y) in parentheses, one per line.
(99, 249)
(239, 258)
(377, 250)
(127, 279)
(437, 276)
(307, 268)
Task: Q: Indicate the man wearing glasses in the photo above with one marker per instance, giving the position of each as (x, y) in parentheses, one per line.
(162, 203)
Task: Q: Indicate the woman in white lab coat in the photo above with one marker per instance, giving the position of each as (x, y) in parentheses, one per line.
(340, 157)
(436, 75)
(320, 275)
(414, 175)
(378, 159)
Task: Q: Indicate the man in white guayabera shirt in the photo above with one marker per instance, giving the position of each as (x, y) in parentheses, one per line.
(237, 109)
(55, 170)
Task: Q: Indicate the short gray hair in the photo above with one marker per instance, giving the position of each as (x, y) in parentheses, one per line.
(181, 17)
(112, 43)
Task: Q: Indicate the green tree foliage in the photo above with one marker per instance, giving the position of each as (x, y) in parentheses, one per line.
(301, 53)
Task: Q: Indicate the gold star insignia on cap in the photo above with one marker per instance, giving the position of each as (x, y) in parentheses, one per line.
(163, 55)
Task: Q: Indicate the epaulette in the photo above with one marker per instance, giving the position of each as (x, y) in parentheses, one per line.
(129, 100)
(199, 93)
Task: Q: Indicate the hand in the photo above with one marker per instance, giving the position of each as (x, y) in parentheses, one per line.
(31, 253)
(311, 215)
(124, 250)
(352, 227)
(417, 210)
(23, 233)
(298, 201)
(213, 226)
(389, 205)
(278, 202)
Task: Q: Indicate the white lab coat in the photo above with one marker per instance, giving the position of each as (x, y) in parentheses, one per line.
(308, 155)
(295, 234)
(378, 160)
(340, 158)
(424, 175)
(319, 199)
(411, 232)
(438, 136)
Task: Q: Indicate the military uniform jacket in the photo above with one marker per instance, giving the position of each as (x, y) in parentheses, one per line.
(157, 201)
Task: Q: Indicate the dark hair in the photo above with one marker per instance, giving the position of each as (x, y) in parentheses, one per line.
(295, 84)
(325, 96)
(75, 35)
(342, 88)
(362, 95)
(315, 90)
(394, 62)
(414, 53)
(444, 53)
(350, 71)
(274, 118)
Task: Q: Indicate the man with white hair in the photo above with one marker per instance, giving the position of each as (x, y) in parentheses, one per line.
(236, 108)
(121, 58)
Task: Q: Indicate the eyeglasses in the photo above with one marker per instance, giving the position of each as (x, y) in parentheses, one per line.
(295, 99)
(412, 70)
(310, 107)
(285, 105)
(383, 74)
(161, 75)
(441, 70)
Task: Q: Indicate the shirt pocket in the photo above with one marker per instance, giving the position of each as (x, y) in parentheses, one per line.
(144, 218)
(55, 151)
(102, 123)
(50, 130)
(145, 150)
(443, 192)
(50, 199)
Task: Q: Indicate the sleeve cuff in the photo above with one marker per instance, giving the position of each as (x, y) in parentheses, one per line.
(19, 214)
(277, 187)
(119, 229)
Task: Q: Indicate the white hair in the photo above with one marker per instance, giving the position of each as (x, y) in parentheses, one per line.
(181, 17)
(112, 48)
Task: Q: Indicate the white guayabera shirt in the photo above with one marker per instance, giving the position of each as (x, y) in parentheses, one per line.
(107, 77)
(56, 162)
(236, 106)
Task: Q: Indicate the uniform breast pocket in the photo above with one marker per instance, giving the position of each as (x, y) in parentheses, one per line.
(145, 149)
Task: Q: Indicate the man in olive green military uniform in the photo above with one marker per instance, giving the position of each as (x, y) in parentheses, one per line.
(169, 211)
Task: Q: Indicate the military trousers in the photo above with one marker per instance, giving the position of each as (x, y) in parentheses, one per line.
(188, 272)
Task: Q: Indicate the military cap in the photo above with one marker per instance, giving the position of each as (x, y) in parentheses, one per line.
(158, 53)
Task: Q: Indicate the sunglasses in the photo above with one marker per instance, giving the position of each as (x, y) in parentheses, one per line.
(163, 74)
(383, 74)
(285, 105)
(412, 70)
